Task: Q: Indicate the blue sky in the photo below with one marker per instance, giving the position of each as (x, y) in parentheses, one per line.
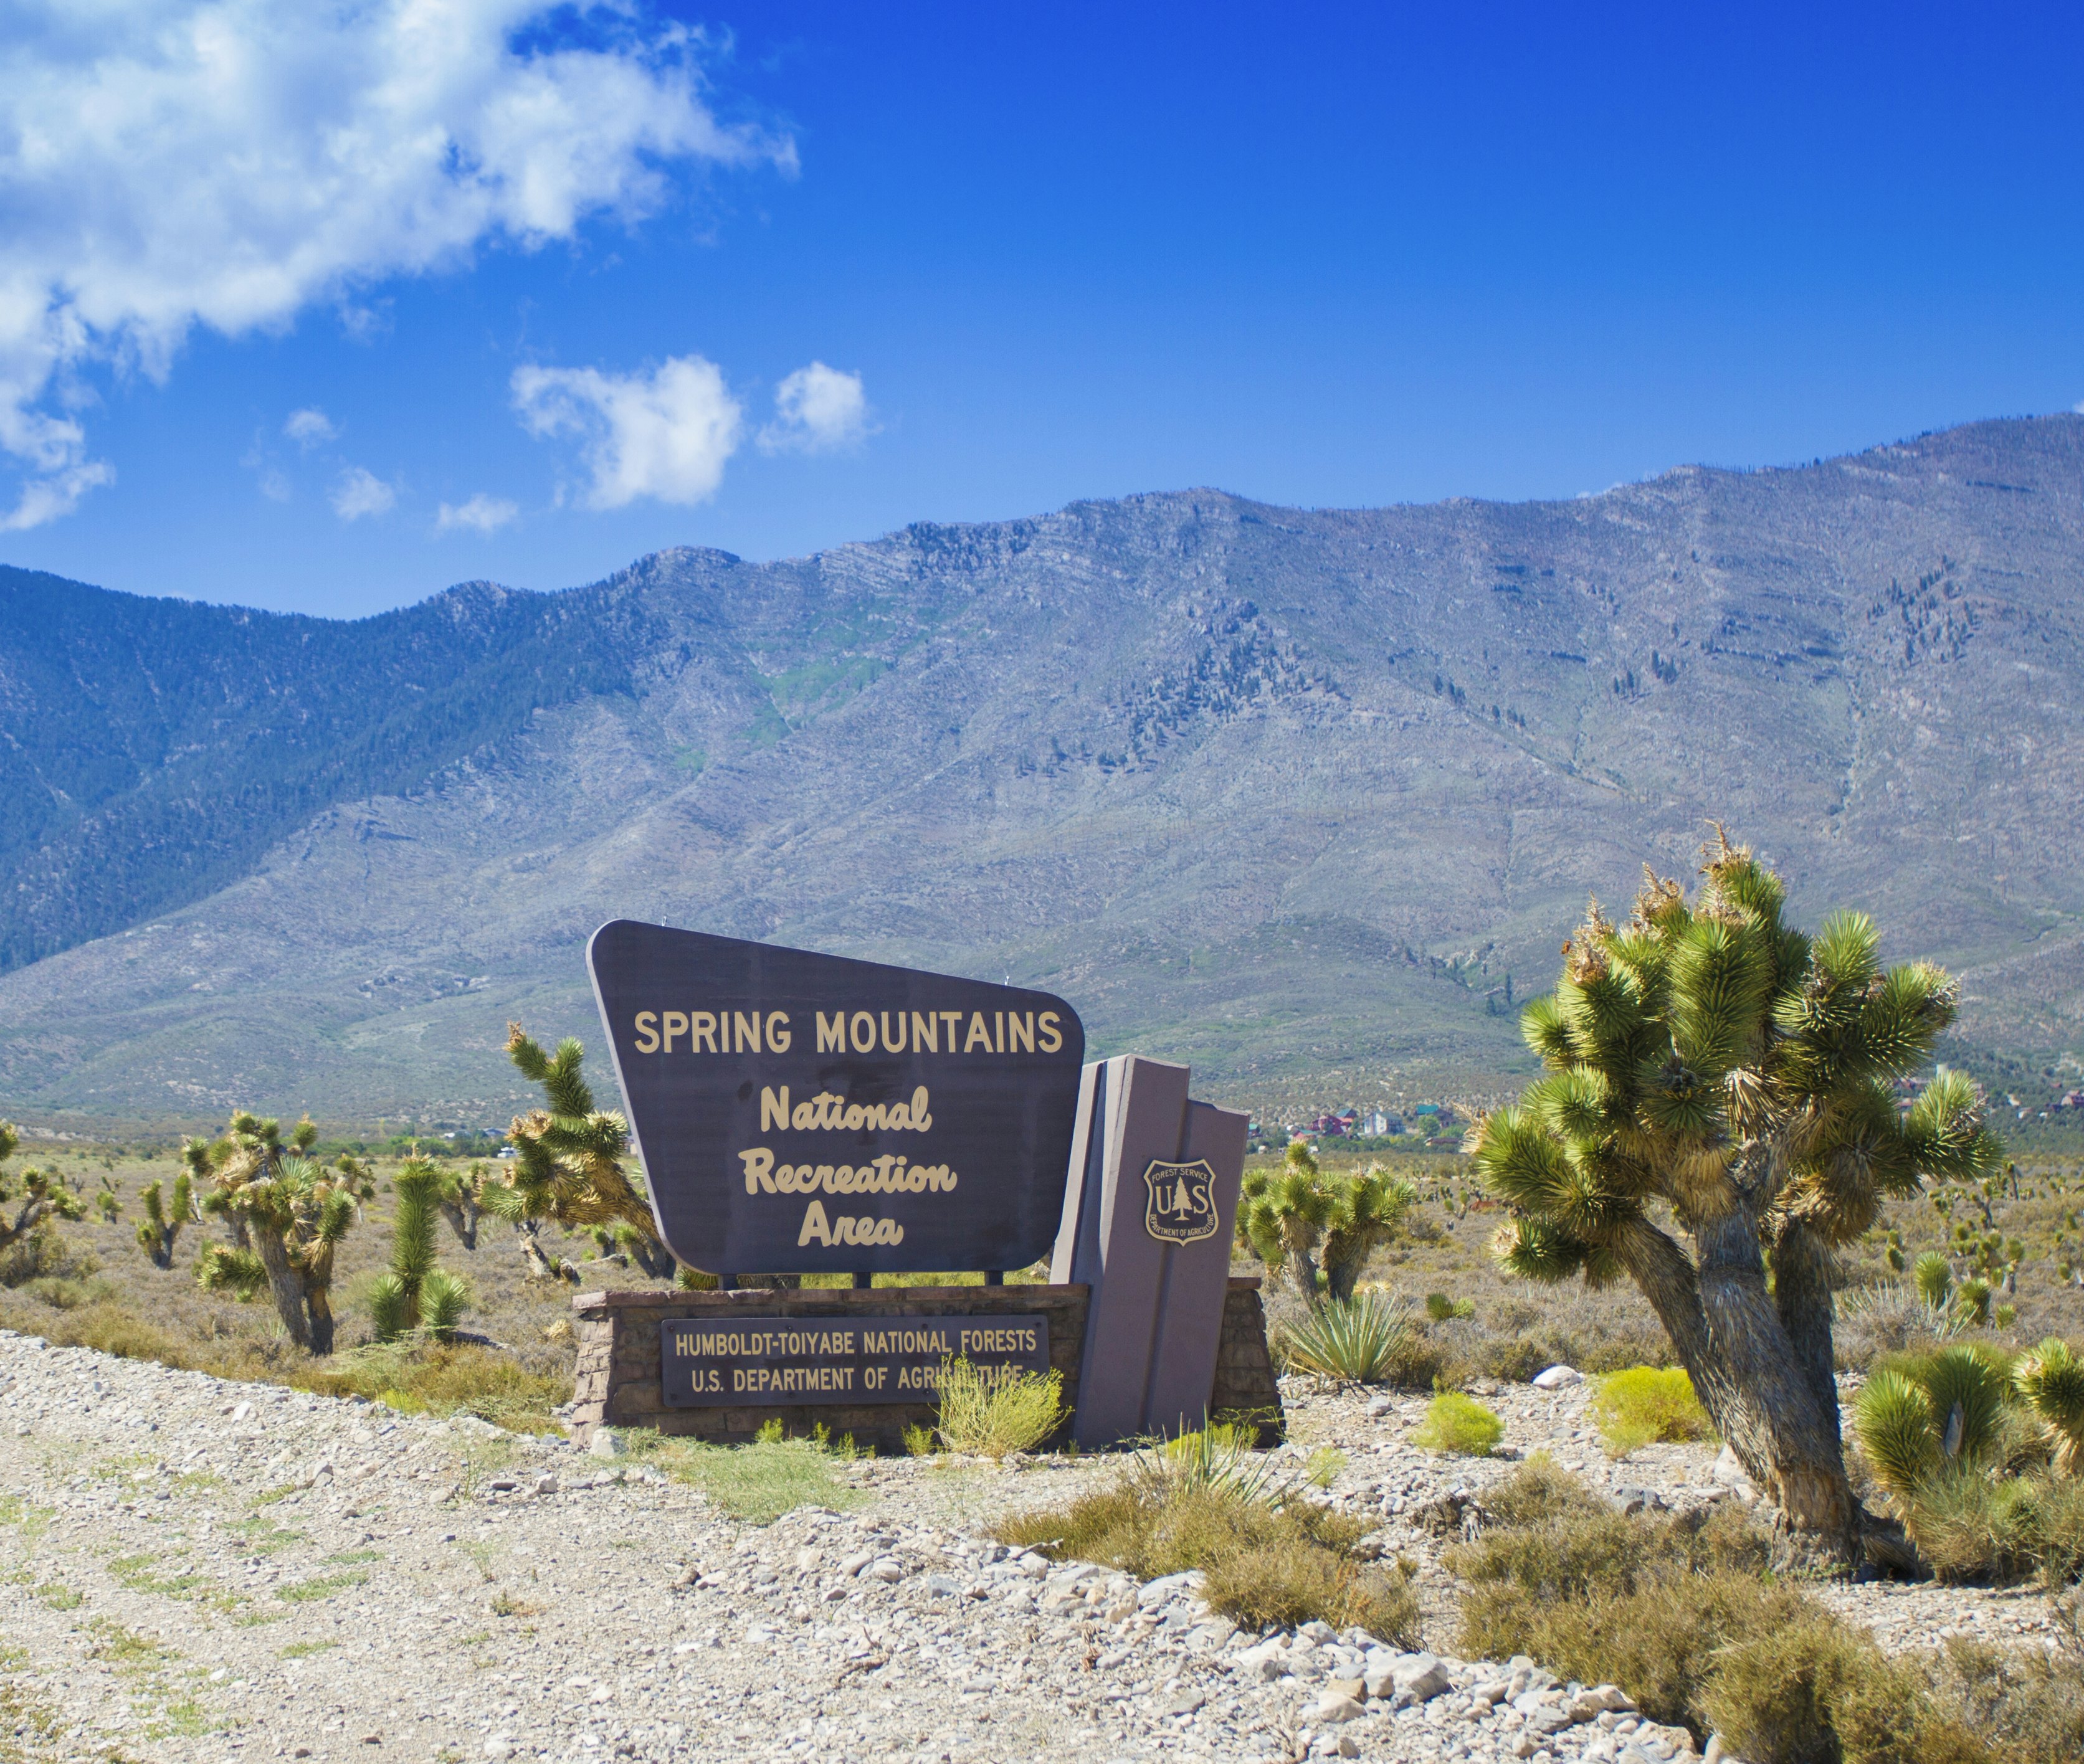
(534, 278)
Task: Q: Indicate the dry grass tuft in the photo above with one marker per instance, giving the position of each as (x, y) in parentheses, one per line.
(1271, 1555)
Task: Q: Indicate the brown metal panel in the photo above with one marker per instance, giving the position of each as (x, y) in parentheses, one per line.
(1196, 1280)
(1145, 1112)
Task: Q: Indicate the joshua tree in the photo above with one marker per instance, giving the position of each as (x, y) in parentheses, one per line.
(458, 1194)
(43, 1196)
(1283, 1215)
(290, 1211)
(1298, 1219)
(1935, 1278)
(161, 1224)
(1709, 1059)
(568, 1168)
(1365, 1212)
(415, 1293)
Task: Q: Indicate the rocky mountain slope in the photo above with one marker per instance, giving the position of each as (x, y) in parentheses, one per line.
(1308, 798)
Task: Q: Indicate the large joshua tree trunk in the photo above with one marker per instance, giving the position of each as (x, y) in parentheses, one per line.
(1746, 1369)
(285, 1284)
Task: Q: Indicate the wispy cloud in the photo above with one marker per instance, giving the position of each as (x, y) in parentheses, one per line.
(310, 426)
(665, 434)
(482, 514)
(359, 492)
(228, 162)
(817, 409)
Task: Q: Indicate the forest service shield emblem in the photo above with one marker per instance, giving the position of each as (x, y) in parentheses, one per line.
(1182, 1205)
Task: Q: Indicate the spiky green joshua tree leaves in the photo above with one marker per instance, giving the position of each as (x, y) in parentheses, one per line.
(2050, 1380)
(39, 1199)
(1717, 1116)
(414, 1292)
(286, 1213)
(161, 1224)
(568, 1166)
(1299, 1219)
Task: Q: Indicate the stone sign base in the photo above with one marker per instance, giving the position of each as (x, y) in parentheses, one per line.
(619, 1381)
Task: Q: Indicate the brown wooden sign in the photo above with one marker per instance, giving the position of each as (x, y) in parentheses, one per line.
(738, 1362)
(800, 1114)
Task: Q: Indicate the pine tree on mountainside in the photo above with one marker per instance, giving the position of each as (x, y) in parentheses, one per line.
(291, 1213)
(1708, 1058)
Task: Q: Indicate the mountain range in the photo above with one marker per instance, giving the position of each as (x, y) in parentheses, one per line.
(1307, 798)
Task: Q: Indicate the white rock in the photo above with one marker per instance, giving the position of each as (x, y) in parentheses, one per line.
(1556, 1377)
(1421, 1676)
(604, 1443)
(1266, 1661)
(887, 1569)
(1334, 1706)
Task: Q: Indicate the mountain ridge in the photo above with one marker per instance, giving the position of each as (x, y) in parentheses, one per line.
(1145, 752)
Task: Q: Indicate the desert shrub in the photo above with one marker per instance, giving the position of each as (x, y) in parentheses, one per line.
(43, 1253)
(1539, 1490)
(1270, 1555)
(1366, 1337)
(995, 1416)
(421, 1378)
(1646, 1405)
(1814, 1690)
(1442, 1309)
(1589, 1592)
(1459, 1424)
(2028, 1705)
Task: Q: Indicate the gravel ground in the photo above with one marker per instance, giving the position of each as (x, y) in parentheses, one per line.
(196, 1569)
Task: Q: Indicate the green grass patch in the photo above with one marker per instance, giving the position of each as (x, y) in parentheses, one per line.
(350, 1558)
(1645, 1406)
(1458, 1425)
(757, 1483)
(264, 1537)
(57, 1596)
(322, 1586)
(303, 1650)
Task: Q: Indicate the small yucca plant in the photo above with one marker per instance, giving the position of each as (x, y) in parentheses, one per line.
(1359, 1338)
(1941, 1412)
(2050, 1380)
(1934, 1277)
(1973, 1300)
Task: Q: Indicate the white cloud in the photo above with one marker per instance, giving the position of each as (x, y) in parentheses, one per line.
(665, 434)
(816, 409)
(309, 426)
(482, 513)
(167, 163)
(359, 492)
